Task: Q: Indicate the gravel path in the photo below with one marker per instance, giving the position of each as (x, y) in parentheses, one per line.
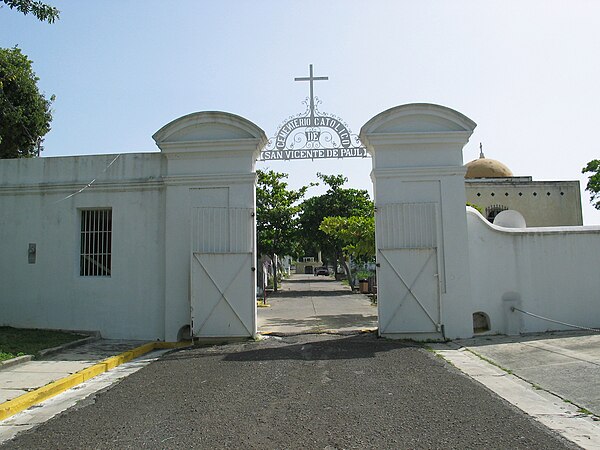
(309, 391)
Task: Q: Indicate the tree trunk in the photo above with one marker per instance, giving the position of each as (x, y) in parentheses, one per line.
(335, 264)
(274, 263)
(348, 273)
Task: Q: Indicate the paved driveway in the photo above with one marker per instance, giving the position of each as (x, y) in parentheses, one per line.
(309, 304)
(314, 392)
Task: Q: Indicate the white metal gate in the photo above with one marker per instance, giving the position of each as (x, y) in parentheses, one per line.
(222, 297)
(408, 279)
(411, 274)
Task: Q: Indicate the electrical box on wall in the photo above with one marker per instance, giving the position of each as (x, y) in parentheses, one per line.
(31, 252)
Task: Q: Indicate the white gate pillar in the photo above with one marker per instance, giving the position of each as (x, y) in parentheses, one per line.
(421, 227)
(210, 251)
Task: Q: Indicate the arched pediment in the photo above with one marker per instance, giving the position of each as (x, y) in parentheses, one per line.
(208, 126)
(417, 118)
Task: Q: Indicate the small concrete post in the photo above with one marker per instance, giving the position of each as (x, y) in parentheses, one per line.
(513, 319)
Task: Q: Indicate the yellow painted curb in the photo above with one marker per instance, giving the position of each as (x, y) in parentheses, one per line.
(29, 399)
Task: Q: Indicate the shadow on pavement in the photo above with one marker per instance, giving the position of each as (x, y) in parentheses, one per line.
(353, 347)
(324, 321)
(308, 280)
(362, 346)
(309, 293)
(96, 350)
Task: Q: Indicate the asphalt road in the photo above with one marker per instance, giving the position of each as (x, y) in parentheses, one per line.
(309, 391)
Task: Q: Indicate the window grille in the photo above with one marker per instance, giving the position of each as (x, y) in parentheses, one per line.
(96, 243)
(492, 211)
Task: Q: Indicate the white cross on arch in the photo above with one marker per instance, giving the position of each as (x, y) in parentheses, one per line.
(311, 79)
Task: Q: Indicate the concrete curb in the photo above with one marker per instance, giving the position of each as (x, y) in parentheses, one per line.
(29, 399)
(51, 351)
(15, 361)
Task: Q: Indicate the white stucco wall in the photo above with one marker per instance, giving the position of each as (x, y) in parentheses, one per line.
(552, 272)
(206, 160)
(51, 293)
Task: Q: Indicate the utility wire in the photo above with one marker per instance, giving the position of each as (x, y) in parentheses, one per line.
(89, 184)
(555, 321)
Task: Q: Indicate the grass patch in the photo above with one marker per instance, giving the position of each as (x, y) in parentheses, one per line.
(18, 342)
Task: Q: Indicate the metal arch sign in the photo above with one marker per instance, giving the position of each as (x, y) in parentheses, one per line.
(312, 134)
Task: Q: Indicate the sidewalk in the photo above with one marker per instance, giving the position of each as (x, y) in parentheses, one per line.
(565, 363)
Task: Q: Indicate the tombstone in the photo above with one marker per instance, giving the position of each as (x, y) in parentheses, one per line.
(210, 235)
(421, 229)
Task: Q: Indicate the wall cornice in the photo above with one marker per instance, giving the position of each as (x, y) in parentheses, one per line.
(221, 148)
(224, 179)
(394, 139)
(100, 186)
(420, 172)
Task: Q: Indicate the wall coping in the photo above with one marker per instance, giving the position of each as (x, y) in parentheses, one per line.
(583, 229)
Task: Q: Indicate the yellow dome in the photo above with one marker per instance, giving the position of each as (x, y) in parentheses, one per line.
(486, 168)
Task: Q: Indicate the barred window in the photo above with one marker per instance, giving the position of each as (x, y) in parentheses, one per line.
(96, 240)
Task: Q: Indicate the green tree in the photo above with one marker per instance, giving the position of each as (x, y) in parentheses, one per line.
(593, 185)
(25, 113)
(336, 202)
(276, 215)
(356, 232)
(40, 10)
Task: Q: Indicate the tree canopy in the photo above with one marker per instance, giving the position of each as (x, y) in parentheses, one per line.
(593, 185)
(356, 232)
(276, 215)
(25, 113)
(42, 11)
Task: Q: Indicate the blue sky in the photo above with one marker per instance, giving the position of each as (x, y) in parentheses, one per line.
(527, 72)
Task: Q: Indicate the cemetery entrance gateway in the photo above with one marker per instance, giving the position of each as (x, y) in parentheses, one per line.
(421, 233)
(419, 202)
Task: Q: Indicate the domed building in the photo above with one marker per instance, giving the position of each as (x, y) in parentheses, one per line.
(487, 168)
(491, 186)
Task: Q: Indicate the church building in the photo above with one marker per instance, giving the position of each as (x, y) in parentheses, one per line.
(491, 186)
